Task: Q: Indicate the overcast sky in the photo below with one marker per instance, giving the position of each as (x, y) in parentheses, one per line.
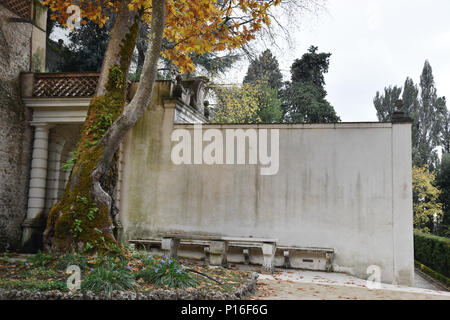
(374, 43)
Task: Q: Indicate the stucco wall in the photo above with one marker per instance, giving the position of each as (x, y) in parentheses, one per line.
(335, 188)
(15, 133)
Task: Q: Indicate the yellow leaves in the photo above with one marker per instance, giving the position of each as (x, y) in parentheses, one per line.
(425, 195)
(237, 104)
(192, 26)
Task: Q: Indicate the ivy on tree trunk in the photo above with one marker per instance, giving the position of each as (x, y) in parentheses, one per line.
(82, 220)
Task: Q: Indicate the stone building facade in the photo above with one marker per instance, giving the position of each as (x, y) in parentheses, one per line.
(22, 48)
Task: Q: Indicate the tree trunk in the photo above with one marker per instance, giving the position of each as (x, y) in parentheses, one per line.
(118, 130)
(82, 220)
(124, 21)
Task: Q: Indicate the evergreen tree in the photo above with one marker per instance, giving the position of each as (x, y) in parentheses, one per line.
(85, 51)
(88, 45)
(311, 67)
(445, 138)
(429, 121)
(304, 98)
(426, 109)
(266, 69)
(411, 107)
(269, 105)
(443, 182)
(385, 103)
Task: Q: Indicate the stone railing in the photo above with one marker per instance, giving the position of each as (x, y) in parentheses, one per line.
(190, 92)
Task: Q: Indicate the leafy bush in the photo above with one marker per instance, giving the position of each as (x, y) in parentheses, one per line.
(72, 259)
(433, 251)
(165, 272)
(41, 259)
(106, 280)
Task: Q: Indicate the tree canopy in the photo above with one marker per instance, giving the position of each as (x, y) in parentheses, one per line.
(248, 103)
(304, 98)
(385, 102)
(427, 208)
(265, 68)
(192, 26)
(311, 67)
(427, 110)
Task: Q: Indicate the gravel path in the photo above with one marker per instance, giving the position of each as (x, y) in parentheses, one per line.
(421, 282)
(309, 285)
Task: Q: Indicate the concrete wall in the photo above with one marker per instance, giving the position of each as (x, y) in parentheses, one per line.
(22, 48)
(343, 186)
(15, 134)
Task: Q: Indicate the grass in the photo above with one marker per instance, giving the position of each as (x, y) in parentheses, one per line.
(71, 259)
(137, 271)
(165, 272)
(33, 285)
(106, 280)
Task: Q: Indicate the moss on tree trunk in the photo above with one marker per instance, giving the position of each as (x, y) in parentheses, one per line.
(79, 221)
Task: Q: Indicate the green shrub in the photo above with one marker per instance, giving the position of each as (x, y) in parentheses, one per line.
(41, 259)
(165, 272)
(34, 285)
(71, 259)
(433, 252)
(106, 280)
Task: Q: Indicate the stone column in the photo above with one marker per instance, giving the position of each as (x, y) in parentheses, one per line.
(218, 253)
(402, 211)
(268, 250)
(170, 247)
(33, 224)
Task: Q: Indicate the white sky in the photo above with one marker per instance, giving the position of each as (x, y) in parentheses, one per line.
(374, 43)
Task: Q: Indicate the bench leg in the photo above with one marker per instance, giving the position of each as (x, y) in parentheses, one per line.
(206, 252)
(169, 246)
(329, 262)
(246, 253)
(269, 256)
(287, 260)
(218, 253)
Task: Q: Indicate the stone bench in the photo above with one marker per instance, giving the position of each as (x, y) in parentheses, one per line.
(147, 244)
(218, 247)
(326, 253)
